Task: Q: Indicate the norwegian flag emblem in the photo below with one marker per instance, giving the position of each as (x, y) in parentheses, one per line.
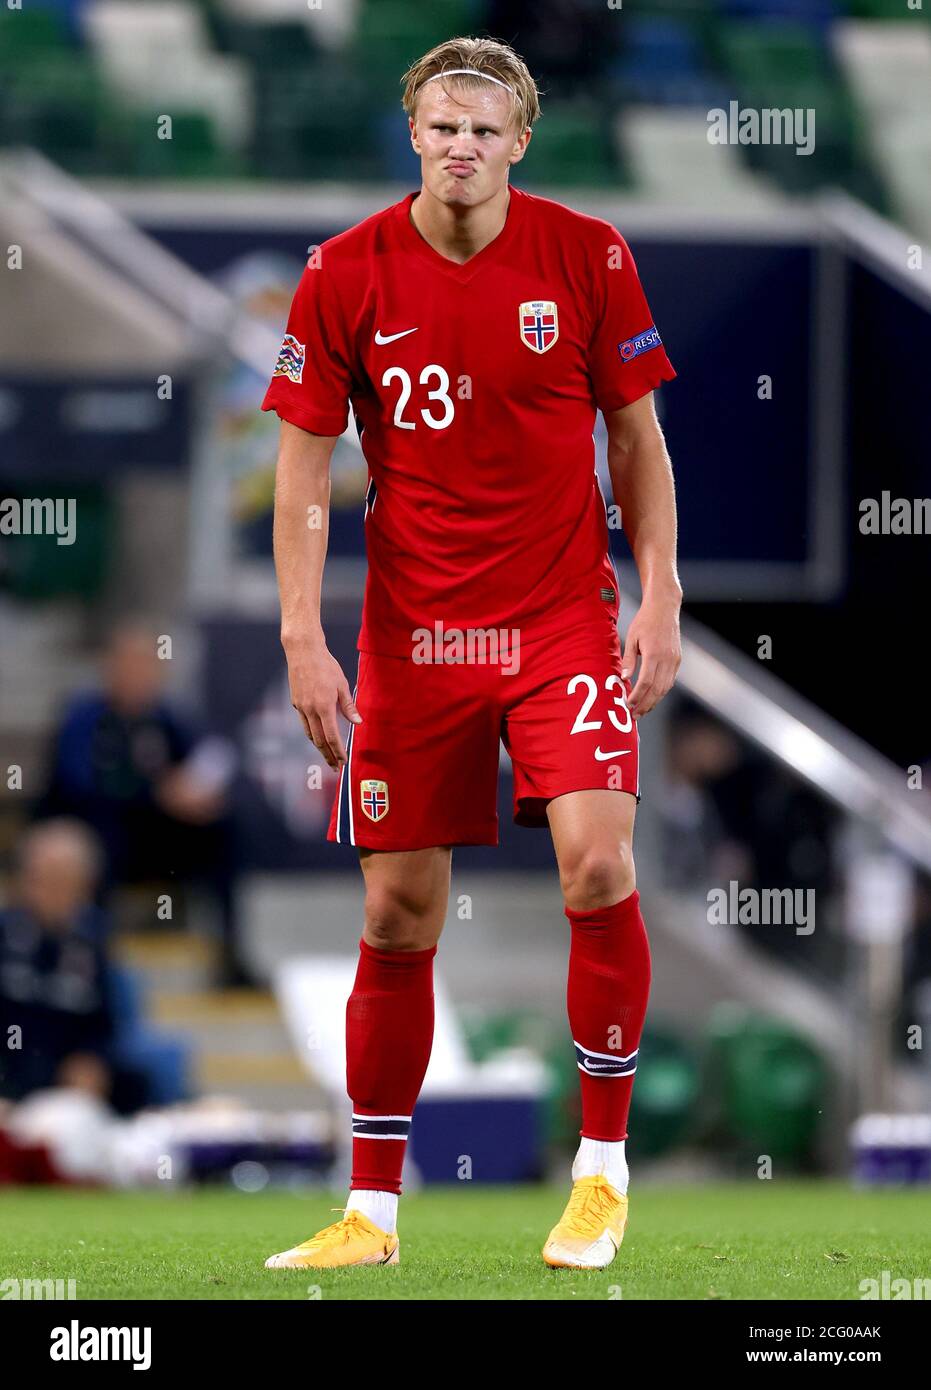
(374, 797)
(539, 324)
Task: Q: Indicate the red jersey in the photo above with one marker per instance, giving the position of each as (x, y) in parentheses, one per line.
(475, 389)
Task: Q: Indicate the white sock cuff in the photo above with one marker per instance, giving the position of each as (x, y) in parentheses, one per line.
(381, 1208)
(598, 1156)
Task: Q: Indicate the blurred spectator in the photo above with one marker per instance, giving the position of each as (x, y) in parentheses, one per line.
(697, 848)
(565, 43)
(56, 1020)
(733, 814)
(129, 765)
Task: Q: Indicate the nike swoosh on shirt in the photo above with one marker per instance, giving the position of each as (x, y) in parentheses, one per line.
(603, 757)
(382, 338)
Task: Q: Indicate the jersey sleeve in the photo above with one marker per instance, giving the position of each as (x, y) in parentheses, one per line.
(312, 380)
(626, 354)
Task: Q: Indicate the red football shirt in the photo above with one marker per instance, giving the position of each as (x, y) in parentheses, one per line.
(475, 388)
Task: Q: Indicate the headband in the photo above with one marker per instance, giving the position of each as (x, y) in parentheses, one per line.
(470, 72)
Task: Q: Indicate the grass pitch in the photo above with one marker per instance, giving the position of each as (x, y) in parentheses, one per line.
(765, 1240)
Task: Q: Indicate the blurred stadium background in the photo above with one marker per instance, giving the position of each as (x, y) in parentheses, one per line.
(174, 930)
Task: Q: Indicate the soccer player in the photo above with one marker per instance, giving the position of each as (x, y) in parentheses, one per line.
(476, 329)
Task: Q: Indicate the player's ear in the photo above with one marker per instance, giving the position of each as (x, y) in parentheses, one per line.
(412, 125)
(520, 146)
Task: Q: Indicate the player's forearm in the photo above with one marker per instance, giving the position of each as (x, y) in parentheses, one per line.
(642, 482)
(300, 553)
(301, 528)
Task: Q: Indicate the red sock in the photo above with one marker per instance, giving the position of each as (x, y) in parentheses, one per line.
(389, 1035)
(609, 981)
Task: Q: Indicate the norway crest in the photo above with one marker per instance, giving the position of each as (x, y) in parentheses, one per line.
(374, 799)
(539, 324)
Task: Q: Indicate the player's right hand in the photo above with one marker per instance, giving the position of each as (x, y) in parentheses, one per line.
(318, 689)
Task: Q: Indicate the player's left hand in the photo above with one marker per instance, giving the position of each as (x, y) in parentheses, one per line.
(653, 639)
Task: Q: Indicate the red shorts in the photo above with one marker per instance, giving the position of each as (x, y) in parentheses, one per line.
(423, 764)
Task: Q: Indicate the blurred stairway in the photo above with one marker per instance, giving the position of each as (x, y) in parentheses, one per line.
(239, 1044)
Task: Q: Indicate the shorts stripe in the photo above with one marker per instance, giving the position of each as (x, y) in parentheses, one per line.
(349, 743)
(339, 807)
(344, 819)
(637, 727)
(341, 811)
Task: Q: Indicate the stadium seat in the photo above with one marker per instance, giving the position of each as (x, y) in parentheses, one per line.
(391, 34)
(801, 11)
(61, 106)
(143, 37)
(37, 567)
(267, 47)
(672, 160)
(770, 1083)
(888, 67)
(662, 46)
(192, 152)
(789, 66)
(28, 34)
(572, 145)
(890, 11)
(272, 88)
(329, 25)
(662, 63)
(159, 56)
(316, 123)
(776, 55)
(665, 1098)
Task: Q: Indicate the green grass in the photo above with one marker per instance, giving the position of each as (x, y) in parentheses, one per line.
(760, 1240)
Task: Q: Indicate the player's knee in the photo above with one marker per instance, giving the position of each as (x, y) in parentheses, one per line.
(399, 919)
(598, 876)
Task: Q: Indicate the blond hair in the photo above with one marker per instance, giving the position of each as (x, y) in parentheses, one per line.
(488, 56)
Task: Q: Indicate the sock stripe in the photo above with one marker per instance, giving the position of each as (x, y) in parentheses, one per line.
(381, 1127)
(357, 1115)
(605, 1063)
